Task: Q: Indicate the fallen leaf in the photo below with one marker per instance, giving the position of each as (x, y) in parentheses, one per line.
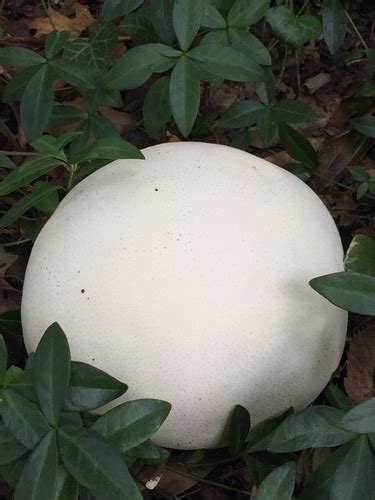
(361, 361)
(82, 20)
(316, 82)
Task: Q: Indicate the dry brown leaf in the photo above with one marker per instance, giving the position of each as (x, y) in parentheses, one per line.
(316, 82)
(82, 20)
(361, 360)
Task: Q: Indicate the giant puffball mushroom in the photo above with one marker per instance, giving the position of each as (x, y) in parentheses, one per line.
(186, 275)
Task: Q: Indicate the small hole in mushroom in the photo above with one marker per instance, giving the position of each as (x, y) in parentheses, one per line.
(83, 290)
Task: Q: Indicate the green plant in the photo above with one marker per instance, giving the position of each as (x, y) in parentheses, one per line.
(50, 446)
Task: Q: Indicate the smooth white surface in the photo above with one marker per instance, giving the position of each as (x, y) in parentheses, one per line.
(195, 266)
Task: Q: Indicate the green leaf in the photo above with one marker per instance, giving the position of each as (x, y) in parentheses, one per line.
(361, 418)
(73, 73)
(161, 17)
(184, 94)
(267, 126)
(298, 146)
(135, 67)
(334, 24)
(63, 114)
(294, 112)
(314, 427)
(354, 292)
(366, 90)
(239, 428)
(109, 148)
(96, 465)
(11, 321)
(138, 26)
(30, 170)
(146, 450)
(360, 256)
(55, 42)
(131, 423)
(6, 162)
(37, 102)
(337, 398)
(18, 56)
(101, 127)
(51, 372)
(16, 86)
(266, 90)
(299, 170)
(156, 107)
(212, 17)
(258, 469)
(20, 381)
(66, 486)
(227, 62)
(80, 142)
(370, 53)
(217, 37)
(249, 44)
(118, 8)
(45, 144)
(293, 30)
(65, 139)
(241, 114)
(10, 448)
(358, 173)
(3, 358)
(11, 472)
(278, 485)
(39, 474)
(362, 190)
(244, 12)
(90, 388)
(187, 18)
(365, 125)
(24, 204)
(354, 478)
(23, 419)
(240, 139)
(262, 439)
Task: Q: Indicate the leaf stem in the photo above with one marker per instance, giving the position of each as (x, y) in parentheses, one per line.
(48, 14)
(15, 243)
(302, 8)
(356, 30)
(72, 170)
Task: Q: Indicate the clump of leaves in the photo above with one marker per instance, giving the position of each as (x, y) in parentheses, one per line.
(51, 447)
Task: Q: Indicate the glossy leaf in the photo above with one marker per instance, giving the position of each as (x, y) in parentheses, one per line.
(293, 30)
(365, 125)
(73, 73)
(278, 485)
(90, 388)
(187, 18)
(244, 12)
(10, 448)
(314, 427)
(156, 107)
(267, 123)
(184, 94)
(239, 428)
(334, 24)
(19, 56)
(63, 114)
(38, 477)
(249, 44)
(212, 17)
(116, 8)
(96, 465)
(298, 146)
(361, 418)
(66, 486)
(37, 102)
(131, 423)
(15, 88)
(30, 170)
(353, 292)
(23, 419)
(227, 62)
(294, 112)
(3, 358)
(360, 256)
(241, 114)
(161, 17)
(55, 42)
(109, 148)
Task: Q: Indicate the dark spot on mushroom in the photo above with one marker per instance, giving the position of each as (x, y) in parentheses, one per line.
(83, 290)
(93, 359)
(156, 189)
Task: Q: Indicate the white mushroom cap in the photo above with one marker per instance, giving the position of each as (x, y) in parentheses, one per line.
(186, 276)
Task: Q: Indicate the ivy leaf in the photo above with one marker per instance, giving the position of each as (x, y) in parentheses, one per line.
(161, 17)
(294, 112)
(278, 485)
(118, 8)
(10, 448)
(298, 146)
(187, 18)
(365, 125)
(360, 256)
(55, 42)
(353, 292)
(360, 419)
(244, 12)
(293, 30)
(37, 102)
(334, 24)
(184, 94)
(239, 428)
(18, 56)
(156, 107)
(15, 88)
(241, 114)
(249, 44)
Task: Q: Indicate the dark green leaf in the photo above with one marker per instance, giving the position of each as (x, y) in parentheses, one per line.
(257, 469)
(262, 439)
(293, 30)
(24, 204)
(187, 18)
(73, 73)
(109, 148)
(51, 372)
(354, 292)
(112, 98)
(48, 203)
(38, 478)
(361, 418)
(184, 94)
(267, 126)
(278, 485)
(294, 112)
(90, 388)
(244, 12)
(299, 170)
(360, 256)
(249, 44)
(55, 42)
(298, 146)
(131, 423)
(358, 173)
(10, 448)
(63, 114)
(11, 472)
(337, 398)
(334, 24)
(23, 419)
(96, 465)
(30, 170)
(354, 478)
(101, 127)
(117, 8)
(3, 358)
(45, 144)
(266, 90)
(37, 102)
(362, 190)
(217, 37)
(366, 90)
(18, 56)
(11, 321)
(64, 139)
(239, 428)
(138, 26)
(17, 85)
(66, 486)
(6, 162)
(227, 62)
(370, 53)
(80, 142)
(147, 450)
(313, 427)
(20, 381)
(156, 107)
(161, 16)
(365, 125)
(212, 17)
